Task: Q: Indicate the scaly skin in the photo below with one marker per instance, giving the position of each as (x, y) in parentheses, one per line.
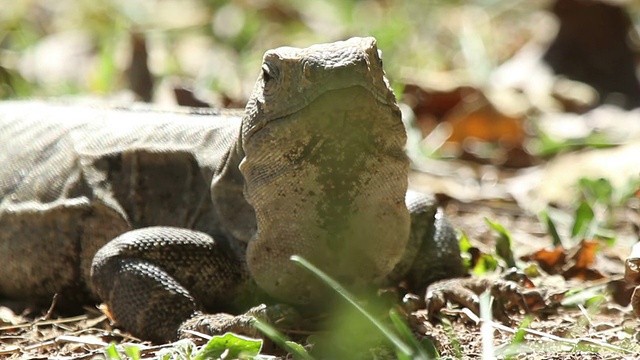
(315, 168)
(333, 188)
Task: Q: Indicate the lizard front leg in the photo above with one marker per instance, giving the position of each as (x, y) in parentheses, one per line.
(434, 246)
(439, 266)
(155, 279)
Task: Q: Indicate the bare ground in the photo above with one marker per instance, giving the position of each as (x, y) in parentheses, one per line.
(606, 330)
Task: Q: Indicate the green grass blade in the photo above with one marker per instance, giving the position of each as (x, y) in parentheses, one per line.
(133, 352)
(397, 342)
(425, 349)
(504, 247)
(551, 228)
(584, 216)
(112, 352)
(297, 350)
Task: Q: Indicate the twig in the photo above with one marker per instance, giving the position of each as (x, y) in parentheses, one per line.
(46, 322)
(573, 342)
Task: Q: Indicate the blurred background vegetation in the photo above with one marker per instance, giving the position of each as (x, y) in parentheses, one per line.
(51, 48)
(474, 69)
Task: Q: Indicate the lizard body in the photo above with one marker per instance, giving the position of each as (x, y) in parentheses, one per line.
(167, 216)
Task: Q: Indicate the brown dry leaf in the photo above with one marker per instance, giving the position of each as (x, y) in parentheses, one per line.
(573, 263)
(431, 104)
(580, 263)
(482, 132)
(620, 292)
(138, 74)
(476, 127)
(632, 266)
(477, 118)
(467, 109)
(585, 255)
(185, 96)
(536, 299)
(550, 261)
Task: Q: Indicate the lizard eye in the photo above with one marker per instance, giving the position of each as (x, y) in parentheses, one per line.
(269, 78)
(379, 56)
(266, 73)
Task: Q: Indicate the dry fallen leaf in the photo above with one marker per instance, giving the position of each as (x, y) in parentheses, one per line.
(581, 263)
(476, 127)
(550, 261)
(578, 262)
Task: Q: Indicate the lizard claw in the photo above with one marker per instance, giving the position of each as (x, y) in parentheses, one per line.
(508, 295)
(632, 277)
(217, 324)
(244, 324)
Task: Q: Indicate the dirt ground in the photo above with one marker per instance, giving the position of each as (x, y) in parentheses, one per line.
(606, 330)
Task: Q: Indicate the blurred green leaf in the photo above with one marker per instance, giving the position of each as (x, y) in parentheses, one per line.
(584, 217)
(105, 76)
(425, 349)
(12, 84)
(503, 243)
(464, 242)
(465, 246)
(596, 190)
(235, 346)
(297, 350)
(551, 228)
(456, 342)
(133, 352)
(432, 30)
(532, 270)
(628, 191)
(486, 264)
(583, 296)
(519, 337)
(112, 352)
(545, 145)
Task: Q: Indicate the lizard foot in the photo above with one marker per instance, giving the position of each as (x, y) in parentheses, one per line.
(632, 276)
(244, 324)
(508, 293)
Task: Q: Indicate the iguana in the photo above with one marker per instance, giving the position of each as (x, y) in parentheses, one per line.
(169, 216)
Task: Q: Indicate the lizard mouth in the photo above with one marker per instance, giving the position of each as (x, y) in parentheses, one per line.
(384, 98)
(293, 79)
(327, 183)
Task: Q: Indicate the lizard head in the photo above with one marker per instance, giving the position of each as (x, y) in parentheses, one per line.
(324, 168)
